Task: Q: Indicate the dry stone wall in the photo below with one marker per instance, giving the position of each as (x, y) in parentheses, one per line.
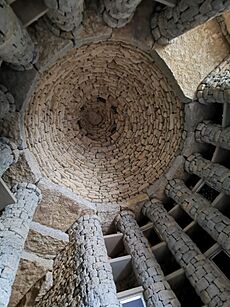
(118, 13)
(109, 110)
(214, 174)
(16, 46)
(82, 273)
(14, 227)
(8, 154)
(6, 102)
(209, 218)
(211, 133)
(65, 15)
(186, 15)
(148, 272)
(208, 282)
(215, 88)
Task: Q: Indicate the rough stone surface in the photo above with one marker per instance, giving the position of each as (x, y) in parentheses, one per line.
(211, 133)
(148, 272)
(186, 15)
(215, 88)
(110, 128)
(14, 227)
(16, 46)
(65, 15)
(31, 269)
(6, 103)
(208, 282)
(8, 154)
(209, 218)
(214, 174)
(82, 273)
(119, 12)
(224, 23)
(45, 241)
(58, 210)
(192, 56)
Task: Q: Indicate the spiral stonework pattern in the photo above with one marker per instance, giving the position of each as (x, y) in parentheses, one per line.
(104, 122)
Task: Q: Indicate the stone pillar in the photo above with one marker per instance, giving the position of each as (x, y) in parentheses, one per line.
(215, 88)
(186, 15)
(16, 46)
(208, 132)
(82, 273)
(119, 12)
(65, 15)
(148, 272)
(14, 227)
(8, 154)
(214, 174)
(210, 219)
(209, 283)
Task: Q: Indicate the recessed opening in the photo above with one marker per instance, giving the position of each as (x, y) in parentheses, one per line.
(223, 205)
(208, 151)
(115, 246)
(152, 236)
(223, 262)
(185, 293)
(201, 238)
(126, 280)
(169, 203)
(218, 114)
(224, 157)
(143, 220)
(209, 193)
(101, 99)
(166, 260)
(181, 217)
(192, 181)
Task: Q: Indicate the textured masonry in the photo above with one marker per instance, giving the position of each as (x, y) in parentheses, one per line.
(119, 12)
(65, 15)
(82, 273)
(209, 218)
(14, 226)
(209, 283)
(215, 88)
(157, 291)
(16, 46)
(8, 154)
(214, 174)
(186, 15)
(211, 133)
(6, 102)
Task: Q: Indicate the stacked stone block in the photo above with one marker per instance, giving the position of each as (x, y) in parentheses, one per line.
(65, 15)
(16, 46)
(215, 88)
(8, 154)
(211, 133)
(172, 22)
(82, 273)
(14, 226)
(224, 28)
(157, 291)
(214, 174)
(119, 12)
(209, 283)
(210, 219)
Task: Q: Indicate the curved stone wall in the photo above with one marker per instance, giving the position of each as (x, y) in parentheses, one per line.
(104, 122)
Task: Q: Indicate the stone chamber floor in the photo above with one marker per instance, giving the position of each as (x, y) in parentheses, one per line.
(114, 153)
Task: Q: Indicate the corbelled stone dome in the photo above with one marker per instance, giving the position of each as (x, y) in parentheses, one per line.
(105, 122)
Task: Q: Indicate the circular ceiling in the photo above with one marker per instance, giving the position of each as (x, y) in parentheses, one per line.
(104, 122)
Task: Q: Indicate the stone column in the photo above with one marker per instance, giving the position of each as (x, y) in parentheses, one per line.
(210, 219)
(14, 226)
(16, 46)
(82, 273)
(208, 132)
(215, 88)
(8, 154)
(209, 283)
(186, 15)
(65, 15)
(214, 174)
(148, 272)
(119, 12)
(6, 102)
